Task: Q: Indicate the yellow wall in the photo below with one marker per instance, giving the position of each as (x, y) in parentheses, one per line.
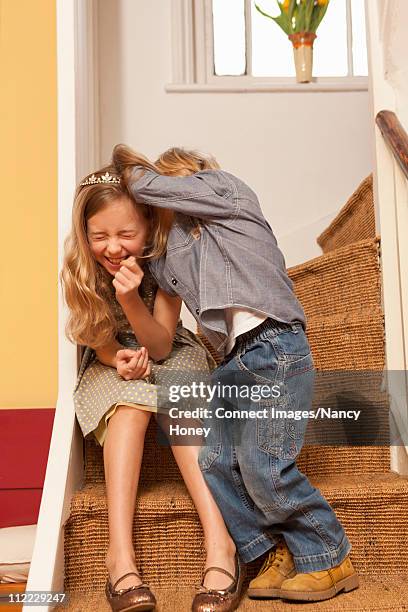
(28, 192)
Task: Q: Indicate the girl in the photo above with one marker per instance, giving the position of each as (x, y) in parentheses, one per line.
(123, 318)
(222, 259)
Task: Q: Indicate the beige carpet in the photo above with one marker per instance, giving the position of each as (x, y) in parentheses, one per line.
(375, 595)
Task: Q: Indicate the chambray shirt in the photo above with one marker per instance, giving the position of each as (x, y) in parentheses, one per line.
(221, 251)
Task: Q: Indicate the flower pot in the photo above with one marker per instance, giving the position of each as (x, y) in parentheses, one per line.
(303, 55)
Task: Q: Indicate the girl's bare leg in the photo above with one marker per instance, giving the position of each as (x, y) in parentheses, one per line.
(122, 453)
(219, 545)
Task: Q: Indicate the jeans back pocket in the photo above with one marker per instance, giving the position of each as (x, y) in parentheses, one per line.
(281, 433)
(207, 455)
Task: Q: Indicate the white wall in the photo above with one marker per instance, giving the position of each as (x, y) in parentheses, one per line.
(303, 153)
(395, 52)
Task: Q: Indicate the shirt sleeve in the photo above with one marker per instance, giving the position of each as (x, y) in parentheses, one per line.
(156, 267)
(205, 195)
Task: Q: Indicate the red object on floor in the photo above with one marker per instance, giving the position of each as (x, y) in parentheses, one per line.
(25, 436)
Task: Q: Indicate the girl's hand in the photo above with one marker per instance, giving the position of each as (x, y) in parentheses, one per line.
(133, 364)
(127, 281)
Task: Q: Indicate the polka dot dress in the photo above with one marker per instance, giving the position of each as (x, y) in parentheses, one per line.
(100, 389)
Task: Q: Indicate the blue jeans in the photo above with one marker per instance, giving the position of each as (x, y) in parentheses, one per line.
(249, 463)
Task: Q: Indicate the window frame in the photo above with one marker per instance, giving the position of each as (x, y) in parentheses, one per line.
(193, 58)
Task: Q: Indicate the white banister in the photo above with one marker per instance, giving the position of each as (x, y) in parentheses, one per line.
(392, 221)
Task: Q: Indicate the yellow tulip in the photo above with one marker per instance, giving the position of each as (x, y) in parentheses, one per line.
(322, 2)
(285, 5)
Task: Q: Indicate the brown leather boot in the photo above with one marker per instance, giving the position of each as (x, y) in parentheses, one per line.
(325, 584)
(278, 566)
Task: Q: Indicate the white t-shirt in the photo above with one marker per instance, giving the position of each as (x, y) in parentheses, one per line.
(239, 321)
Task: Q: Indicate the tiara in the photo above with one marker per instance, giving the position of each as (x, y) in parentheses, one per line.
(103, 178)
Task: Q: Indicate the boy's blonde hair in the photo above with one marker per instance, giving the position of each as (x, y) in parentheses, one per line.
(182, 162)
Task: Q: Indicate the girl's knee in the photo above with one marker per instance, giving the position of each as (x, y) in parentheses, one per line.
(186, 452)
(133, 414)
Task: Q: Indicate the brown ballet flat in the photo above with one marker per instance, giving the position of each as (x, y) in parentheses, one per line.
(135, 598)
(226, 600)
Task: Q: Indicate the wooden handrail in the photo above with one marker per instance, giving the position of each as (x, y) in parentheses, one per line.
(395, 136)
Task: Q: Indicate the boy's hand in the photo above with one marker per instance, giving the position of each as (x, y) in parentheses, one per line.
(133, 364)
(127, 281)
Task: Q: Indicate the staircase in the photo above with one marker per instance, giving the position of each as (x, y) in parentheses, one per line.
(341, 294)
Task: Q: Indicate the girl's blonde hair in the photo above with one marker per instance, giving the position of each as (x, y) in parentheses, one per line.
(87, 285)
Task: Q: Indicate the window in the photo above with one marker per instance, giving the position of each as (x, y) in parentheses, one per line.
(229, 45)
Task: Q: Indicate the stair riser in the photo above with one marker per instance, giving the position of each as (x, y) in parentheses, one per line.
(159, 464)
(169, 544)
(347, 343)
(340, 282)
(355, 221)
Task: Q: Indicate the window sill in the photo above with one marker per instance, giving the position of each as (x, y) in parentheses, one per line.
(358, 84)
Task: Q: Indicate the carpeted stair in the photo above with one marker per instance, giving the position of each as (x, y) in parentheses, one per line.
(168, 535)
(377, 593)
(355, 221)
(341, 294)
